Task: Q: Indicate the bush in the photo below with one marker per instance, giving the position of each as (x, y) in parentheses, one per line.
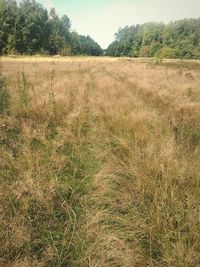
(66, 51)
(155, 47)
(145, 51)
(167, 52)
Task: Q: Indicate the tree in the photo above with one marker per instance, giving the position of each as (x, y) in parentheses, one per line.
(8, 13)
(180, 38)
(27, 28)
(31, 27)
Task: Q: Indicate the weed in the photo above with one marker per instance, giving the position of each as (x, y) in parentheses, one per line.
(24, 89)
(52, 102)
(4, 95)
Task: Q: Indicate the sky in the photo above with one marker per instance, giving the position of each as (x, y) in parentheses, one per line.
(102, 18)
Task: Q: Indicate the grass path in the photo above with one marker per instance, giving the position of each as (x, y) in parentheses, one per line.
(146, 182)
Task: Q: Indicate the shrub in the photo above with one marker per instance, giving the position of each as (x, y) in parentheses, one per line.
(66, 51)
(145, 51)
(166, 52)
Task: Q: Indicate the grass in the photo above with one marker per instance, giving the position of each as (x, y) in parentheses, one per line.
(99, 163)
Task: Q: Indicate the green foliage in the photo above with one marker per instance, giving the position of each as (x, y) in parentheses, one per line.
(89, 47)
(179, 39)
(66, 51)
(145, 51)
(166, 52)
(28, 28)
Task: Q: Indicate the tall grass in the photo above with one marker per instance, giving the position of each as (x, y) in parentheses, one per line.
(4, 95)
(100, 164)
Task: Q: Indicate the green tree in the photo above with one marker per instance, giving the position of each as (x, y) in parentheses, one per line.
(8, 13)
(27, 28)
(180, 38)
(31, 27)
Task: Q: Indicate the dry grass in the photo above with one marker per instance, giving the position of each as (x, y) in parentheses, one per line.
(100, 163)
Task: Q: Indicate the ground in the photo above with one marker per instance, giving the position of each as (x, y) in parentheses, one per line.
(100, 162)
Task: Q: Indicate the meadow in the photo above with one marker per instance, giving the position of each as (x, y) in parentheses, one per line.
(99, 162)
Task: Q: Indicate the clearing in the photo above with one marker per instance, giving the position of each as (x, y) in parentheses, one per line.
(100, 162)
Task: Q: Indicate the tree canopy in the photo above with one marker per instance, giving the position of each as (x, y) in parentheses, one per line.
(28, 28)
(179, 39)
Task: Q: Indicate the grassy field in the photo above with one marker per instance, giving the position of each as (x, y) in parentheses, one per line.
(99, 162)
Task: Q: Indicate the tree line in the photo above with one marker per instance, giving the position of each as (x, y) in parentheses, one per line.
(28, 28)
(179, 39)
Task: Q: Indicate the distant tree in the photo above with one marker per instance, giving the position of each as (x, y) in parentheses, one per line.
(75, 43)
(27, 28)
(56, 39)
(31, 27)
(180, 38)
(8, 14)
(112, 49)
(89, 47)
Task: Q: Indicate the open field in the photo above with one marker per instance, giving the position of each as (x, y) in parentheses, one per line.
(100, 163)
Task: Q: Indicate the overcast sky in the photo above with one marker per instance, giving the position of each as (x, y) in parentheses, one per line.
(101, 18)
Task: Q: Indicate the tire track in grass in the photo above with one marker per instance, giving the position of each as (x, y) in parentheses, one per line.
(138, 190)
(182, 119)
(106, 231)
